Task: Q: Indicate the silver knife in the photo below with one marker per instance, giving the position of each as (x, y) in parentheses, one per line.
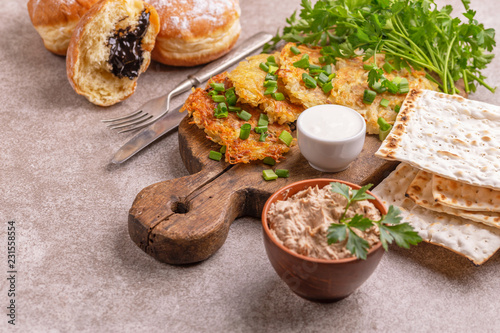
(173, 117)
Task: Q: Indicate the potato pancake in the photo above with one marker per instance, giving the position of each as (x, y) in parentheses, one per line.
(349, 84)
(226, 131)
(351, 80)
(248, 80)
(291, 76)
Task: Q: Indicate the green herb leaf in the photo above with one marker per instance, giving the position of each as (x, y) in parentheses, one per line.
(412, 33)
(336, 233)
(403, 234)
(357, 245)
(341, 189)
(360, 222)
(374, 75)
(391, 228)
(393, 215)
(358, 195)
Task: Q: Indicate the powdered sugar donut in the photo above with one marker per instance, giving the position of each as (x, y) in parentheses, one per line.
(55, 20)
(195, 32)
(110, 47)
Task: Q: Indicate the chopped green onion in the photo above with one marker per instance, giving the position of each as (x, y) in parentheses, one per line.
(271, 59)
(278, 96)
(213, 92)
(222, 106)
(309, 81)
(273, 69)
(383, 134)
(382, 124)
(260, 129)
(282, 173)
(269, 160)
(328, 69)
(397, 108)
(295, 50)
(316, 71)
(244, 115)
(263, 120)
(369, 96)
(270, 90)
(270, 77)
(269, 174)
(229, 93)
(286, 138)
(384, 128)
(221, 111)
(303, 62)
(231, 100)
(264, 67)
(234, 108)
(322, 78)
(215, 155)
(245, 131)
(223, 149)
(217, 86)
(270, 83)
(231, 89)
(404, 86)
(311, 66)
(331, 76)
(397, 80)
(327, 87)
(384, 102)
(231, 97)
(377, 86)
(388, 67)
(263, 137)
(391, 86)
(218, 98)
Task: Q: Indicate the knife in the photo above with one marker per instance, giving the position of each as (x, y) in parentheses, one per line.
(173, 117)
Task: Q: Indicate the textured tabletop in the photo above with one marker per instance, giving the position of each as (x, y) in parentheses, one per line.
(78, 270)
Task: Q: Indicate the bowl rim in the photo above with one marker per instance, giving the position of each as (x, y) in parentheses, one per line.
(267, 231)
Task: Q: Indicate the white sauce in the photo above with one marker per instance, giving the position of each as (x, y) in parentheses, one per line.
(329, 122)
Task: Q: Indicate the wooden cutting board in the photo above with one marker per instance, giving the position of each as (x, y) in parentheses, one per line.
(186, 220)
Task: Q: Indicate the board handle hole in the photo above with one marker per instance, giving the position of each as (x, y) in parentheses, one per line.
(181, 206)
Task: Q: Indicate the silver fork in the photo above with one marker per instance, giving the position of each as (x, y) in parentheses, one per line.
(149, 112)
(157, 107)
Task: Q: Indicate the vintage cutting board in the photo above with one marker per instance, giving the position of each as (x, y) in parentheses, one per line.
(186, 220)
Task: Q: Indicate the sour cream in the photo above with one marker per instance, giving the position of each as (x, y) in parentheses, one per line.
(331, 122)
(330, 136)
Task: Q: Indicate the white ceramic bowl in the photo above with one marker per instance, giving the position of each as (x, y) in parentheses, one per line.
(330, 136)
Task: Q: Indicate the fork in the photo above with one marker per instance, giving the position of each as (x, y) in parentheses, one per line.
(158, 107)
(149, 112)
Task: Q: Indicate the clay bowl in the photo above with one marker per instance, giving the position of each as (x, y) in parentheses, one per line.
(319, 280)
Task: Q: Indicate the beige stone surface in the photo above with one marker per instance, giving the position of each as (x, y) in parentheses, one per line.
(78, 270)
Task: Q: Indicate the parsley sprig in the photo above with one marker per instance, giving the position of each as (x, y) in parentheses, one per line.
(409, 32)
(390, 226)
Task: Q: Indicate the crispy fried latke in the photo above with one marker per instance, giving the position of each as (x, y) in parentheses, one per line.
(291, 76)
(248, 80)
(226, 131)
(350, 83)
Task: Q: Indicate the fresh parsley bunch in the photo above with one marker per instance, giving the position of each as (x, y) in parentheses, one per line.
(409, 32)
(390, 226)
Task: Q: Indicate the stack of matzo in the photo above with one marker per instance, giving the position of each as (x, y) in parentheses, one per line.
(449, 184)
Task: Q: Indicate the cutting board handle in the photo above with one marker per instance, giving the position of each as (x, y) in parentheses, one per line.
(186, 220)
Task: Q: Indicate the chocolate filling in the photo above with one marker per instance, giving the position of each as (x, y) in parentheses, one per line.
(125, 55)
